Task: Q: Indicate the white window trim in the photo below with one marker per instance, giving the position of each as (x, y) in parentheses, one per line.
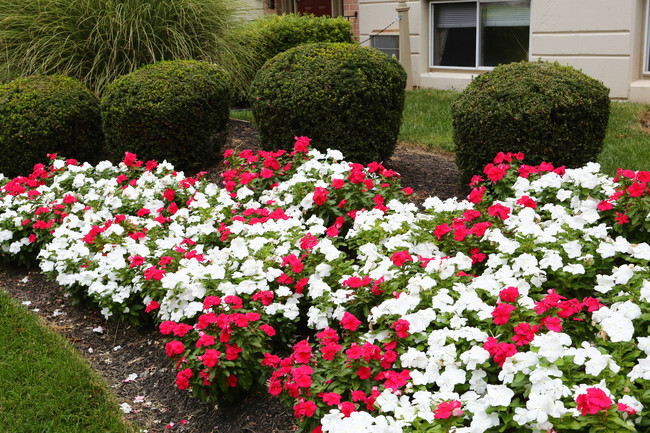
(478, 18)
(646, 40)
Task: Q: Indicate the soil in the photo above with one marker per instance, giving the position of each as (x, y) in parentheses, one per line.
(121, 350)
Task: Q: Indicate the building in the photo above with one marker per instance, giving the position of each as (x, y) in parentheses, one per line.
(453, 40)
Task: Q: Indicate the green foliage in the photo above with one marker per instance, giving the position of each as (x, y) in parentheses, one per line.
(173, 110)
(549, 112)
(342, 96)
(47, 114)
(273, 34)
(47, 386)
(97, 41)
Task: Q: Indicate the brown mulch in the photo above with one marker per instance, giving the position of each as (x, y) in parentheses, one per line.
(121, 350)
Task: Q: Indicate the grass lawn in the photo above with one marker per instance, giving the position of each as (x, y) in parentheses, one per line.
(46, 386)
(427, 121)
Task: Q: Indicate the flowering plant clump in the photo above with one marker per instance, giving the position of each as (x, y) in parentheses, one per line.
(523, 308)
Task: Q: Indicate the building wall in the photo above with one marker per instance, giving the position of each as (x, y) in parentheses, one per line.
(252, 9)
(603, 38)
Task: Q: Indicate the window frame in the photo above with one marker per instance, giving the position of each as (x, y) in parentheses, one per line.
(432, 3)
(646, 40)
(378, 35)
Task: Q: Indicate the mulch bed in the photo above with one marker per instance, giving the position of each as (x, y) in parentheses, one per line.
(121, 350)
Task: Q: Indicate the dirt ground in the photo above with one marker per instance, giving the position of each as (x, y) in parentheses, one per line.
(133, 361)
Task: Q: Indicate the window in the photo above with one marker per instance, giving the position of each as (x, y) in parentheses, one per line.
(475, 34)
(387, 44)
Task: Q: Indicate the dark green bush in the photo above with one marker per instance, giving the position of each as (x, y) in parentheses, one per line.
(175, 111)
(47, 114)
(342, 96)
(549, 112)
(273, 34)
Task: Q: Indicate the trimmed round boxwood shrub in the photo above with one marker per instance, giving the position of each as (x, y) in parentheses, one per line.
(173, 110)
(47, 114)
(270, 35)
(342, 96)
(550, 112)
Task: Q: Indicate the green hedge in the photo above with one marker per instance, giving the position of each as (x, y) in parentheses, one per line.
(47, 114)
(174, 110)
(549, 112)
(342, 96)
(273, 34)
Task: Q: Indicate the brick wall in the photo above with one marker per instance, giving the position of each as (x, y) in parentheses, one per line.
(351, 10)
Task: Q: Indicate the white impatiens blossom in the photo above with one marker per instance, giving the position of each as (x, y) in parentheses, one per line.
(551, 345)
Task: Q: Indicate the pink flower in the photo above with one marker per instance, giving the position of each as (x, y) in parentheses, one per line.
(441, 230)
(526, 201)
(271, 360)
(167, 327)
(183, 378)
(331, 398)
(625, 408)
(499, 211)
(509, 294)
(350, 322)
(302, 352)
(153, 305)
(400, 257)
(174, 347)
(552, 323)
(476, 196)
(232, 352)
(210, 358)
(320, 195)
(621, 218)
(232, 381)
(446, 409)
(524, 333)
(604, 205)
(364, 373)
(593, 401)
(347, 407)
(338, 183)
(305, 408)
(301, 145)
(268, 330)
(302, 376)
(502, 312)
(169, 194)
(401, 327)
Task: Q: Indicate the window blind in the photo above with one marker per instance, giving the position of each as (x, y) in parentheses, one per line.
(453, 16)
(516, 14)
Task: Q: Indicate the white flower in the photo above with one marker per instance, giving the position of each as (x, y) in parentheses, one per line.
(499, 395)
(618, 328)
(551, 345)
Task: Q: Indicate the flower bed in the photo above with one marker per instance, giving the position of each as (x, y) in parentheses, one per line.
(524, 307)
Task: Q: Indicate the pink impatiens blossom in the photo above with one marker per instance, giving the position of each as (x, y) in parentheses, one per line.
(509, 294)
(502, 312)
(401, 328)
(593, 401)
(350, 322)
(400, 257)
(447, 408)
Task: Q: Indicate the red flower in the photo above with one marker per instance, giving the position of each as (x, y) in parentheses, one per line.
(338, 183)
(153, 305)
(232, 352)
(401, 327)
(302, 376)
(446, 409)
(268, 330)
(169, 194)
(302, 143)
(625, 408)
(400, 257)
(302, 352)
(167, 327)
(476, 196)
(331, 398)
(499, 210)
(552, 323)
(364, 373)
(502, 312)
(526, 201)
(174, 347)
(441, 230)
(320, 195)
(271, 360)
(232, 381)
(350, 322)
(509, 294)
(183, 378)
(210, 358)
(621, 218)
(593, 401)
(524, 333)
(305, 408)
(604, 205)
(181, 329)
